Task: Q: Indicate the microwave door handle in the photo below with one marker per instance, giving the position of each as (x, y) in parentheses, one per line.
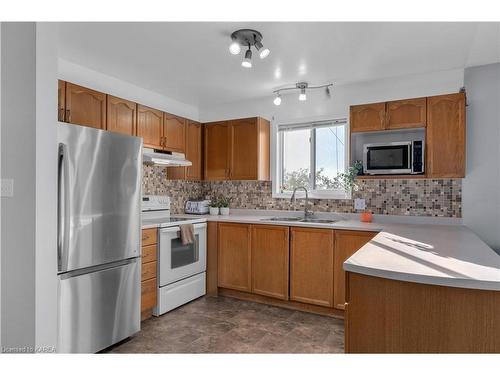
(63, 214)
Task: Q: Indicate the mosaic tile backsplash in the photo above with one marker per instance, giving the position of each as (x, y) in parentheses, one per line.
(416, 197)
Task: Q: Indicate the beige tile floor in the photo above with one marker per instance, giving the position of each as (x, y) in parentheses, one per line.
(227, 325)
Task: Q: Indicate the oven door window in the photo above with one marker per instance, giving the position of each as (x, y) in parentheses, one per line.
(183, 255)
(388, 157)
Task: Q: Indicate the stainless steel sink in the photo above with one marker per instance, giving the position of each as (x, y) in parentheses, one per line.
(319, 221)
(284, 219)
(301, 220)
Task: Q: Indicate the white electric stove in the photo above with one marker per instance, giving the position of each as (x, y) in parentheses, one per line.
(181, 268)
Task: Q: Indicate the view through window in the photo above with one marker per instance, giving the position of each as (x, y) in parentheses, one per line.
(311, 155)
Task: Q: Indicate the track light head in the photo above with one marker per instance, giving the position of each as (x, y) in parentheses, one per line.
(234, 47)
(263, 52)
(302, 96)
(328, 92)
(277, 100)
(247, 61)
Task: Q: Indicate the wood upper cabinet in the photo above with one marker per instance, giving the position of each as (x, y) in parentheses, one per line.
(122, 116)
(217, 150)
(150, 126)
(446, 136)
(174, 133)
(61, 99)
(311, 266)
(85, 106)
(367, 117)
(234, 261)
(270, 259)
(194, 148)
(346, 244)
(410, 113)
(237, 149)
(249, 149)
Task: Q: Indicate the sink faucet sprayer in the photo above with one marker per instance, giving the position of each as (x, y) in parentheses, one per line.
(307, 213)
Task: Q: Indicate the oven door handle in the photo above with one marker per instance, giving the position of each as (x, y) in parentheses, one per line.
(176, 229)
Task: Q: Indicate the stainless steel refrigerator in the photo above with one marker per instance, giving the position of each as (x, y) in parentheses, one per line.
(99, 268)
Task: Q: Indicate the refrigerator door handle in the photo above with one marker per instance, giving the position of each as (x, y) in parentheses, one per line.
(62, 208)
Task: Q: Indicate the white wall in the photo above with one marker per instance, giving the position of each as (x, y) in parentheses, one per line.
(18, 162)
(319, 107)
(83, 76)
(481, 187)
(46, 185)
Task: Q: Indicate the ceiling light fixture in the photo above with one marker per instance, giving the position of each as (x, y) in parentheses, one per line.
(248, 37)
(302, 86)
(277, 100)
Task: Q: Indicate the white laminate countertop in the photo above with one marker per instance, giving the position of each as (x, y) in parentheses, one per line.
(437, 253)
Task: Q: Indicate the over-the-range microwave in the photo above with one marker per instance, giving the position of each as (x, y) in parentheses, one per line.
(394, 158)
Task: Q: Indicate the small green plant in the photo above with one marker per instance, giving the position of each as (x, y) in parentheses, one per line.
(347, 179)
(214, 202)
(223, 201)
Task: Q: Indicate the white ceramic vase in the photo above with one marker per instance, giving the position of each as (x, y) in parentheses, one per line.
(224, 210)
(214, 211)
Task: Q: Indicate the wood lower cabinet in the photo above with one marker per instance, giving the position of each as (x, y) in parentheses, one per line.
(174, 133)
(85, 106)
(234, 256)
(367, 117)
(121, 116)
(409, 113)
(217, 150)
(311, 266)
(270, 260)
(148, 272)
(150, 126)
(61, 100)
(446, 136)
(347, 242)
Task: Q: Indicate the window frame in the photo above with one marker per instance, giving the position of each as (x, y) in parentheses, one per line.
(278, 145)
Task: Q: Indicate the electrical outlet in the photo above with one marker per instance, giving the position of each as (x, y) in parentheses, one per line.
(359, 204)
(7, 187)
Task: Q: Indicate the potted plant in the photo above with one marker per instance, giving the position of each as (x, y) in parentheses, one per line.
(347, 180)
(213, 206)
(224, 205)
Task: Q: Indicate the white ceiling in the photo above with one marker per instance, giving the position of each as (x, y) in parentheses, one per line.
(190, 62)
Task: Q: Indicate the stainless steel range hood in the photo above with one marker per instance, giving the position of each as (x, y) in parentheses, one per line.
(165, 158)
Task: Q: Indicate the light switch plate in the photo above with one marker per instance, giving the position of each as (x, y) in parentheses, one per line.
(6, 187)
(359, 204)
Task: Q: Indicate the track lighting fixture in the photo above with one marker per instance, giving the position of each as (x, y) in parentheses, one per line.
(247, 37)
(302, 86)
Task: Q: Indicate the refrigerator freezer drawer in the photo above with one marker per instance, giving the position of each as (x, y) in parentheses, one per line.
(100, 308)
(179, 293)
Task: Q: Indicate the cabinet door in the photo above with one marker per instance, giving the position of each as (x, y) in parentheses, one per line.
(61, 100)
(270, 257)
(122, 116)
(194, 134)
(346, 244)
(174, 133)
(367, 117)
(410, 113)
(244, 149)
(217, 150)
(311, 266)
(150, 126)
(85, 107)
(234, 256)
(446, 136)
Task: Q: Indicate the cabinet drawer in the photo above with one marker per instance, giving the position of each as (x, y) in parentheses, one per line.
(148, 236)
(148, 271)
(148, 294)
(148, 254)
